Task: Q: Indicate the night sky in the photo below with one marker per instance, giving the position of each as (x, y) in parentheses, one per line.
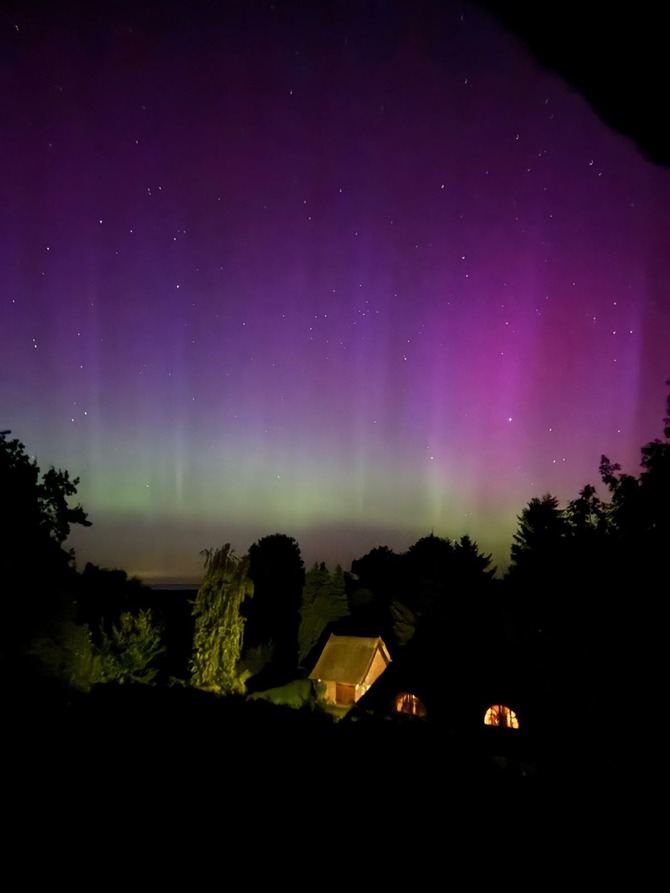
(335, 270)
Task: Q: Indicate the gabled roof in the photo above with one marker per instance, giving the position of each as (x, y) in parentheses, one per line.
(348, 659)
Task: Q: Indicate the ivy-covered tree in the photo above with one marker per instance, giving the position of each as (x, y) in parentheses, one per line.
(219, 624)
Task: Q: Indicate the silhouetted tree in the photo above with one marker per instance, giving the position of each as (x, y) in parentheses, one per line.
(432, 595)
(374, 583)
(104, 594)
(587, 514)
(444, 575)
(36, 569)
(586, 582)
(537, 543)
(560, 578)
(378, 571)
(447, 590)
(541, 596)
(219, 625)
(639, 510)
(473, 568)
(474, 611)
(272, 617)
(639, 532)
(428, 571)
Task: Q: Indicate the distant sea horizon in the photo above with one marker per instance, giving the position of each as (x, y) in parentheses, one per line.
(172, 585)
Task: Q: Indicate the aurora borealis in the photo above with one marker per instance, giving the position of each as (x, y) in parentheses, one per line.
(344, 271)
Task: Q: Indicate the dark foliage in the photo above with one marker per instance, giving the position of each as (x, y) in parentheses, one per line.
(272, 615)
(35, 567)
(104, 594)
(586, 590)
(437, 583)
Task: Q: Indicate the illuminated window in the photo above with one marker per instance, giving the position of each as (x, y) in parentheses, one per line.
(499, 715)
(409, 704)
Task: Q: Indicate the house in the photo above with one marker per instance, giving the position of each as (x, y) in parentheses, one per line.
(348, 666)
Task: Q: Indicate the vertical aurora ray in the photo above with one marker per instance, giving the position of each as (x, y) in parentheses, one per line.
(353, 280)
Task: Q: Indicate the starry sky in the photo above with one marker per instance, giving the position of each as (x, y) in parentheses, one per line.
(350, 272)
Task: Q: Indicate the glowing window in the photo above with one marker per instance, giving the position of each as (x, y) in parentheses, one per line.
(499, 715)
(409, 704)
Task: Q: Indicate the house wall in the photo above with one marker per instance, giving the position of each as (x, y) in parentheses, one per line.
(347, 694)
(330, 693)
(376, 669)
(340, 693)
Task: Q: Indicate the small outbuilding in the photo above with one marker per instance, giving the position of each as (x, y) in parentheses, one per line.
(348, 666)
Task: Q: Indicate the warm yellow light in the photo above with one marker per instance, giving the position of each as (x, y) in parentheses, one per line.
(409, 704)
(499, 715)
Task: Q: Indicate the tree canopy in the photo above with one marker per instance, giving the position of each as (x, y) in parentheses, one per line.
(624, 538)
(272, 617)
(35, 566)
(586, 585)
(437, 581)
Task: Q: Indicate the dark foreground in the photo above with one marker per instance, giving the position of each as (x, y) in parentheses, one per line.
(126, 766)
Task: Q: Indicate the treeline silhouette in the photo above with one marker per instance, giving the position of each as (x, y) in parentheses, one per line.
(571, 632)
